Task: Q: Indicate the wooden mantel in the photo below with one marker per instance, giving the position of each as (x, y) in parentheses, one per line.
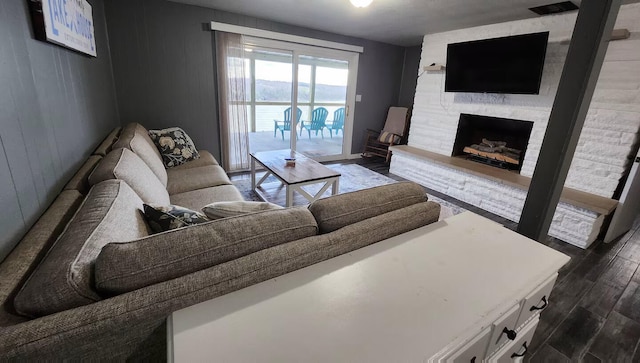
(592, 202)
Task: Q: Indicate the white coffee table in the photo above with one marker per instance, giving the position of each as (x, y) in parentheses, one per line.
(423, 294)
(305, 172)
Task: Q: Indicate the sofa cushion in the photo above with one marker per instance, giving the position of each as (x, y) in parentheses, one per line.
(175, 146)
(389, 224)
(275, 261)
(63, 280)
(124, 165)
(136, 138)
(205, 159)
(219, 210)
(80, 181)
(197, 199)
(107, 144)
(287, 257)
(24, 258)
(161, 218)
(186, 180)
(127, 266)
(337, 211)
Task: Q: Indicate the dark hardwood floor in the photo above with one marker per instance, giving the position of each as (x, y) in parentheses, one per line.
(594, 309)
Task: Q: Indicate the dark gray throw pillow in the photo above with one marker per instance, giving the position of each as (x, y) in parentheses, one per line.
(175, 146)
(166, 218)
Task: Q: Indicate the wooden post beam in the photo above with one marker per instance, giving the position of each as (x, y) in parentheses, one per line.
(587, 49)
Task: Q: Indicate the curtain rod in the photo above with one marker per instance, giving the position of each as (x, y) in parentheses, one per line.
(229, 28)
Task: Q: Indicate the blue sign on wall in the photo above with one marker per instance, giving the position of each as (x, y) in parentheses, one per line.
(68, 23)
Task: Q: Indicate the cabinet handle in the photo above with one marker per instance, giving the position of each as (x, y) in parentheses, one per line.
(544, 304)
(515, 355)
(511, 334)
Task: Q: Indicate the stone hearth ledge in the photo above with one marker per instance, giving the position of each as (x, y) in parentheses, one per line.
(572, 224)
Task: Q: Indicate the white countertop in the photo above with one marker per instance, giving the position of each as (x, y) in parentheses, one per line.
(403, 299)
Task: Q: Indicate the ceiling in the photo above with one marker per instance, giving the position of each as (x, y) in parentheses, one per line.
(400, 22)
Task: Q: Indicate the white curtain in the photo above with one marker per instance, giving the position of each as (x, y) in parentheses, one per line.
(232, 96)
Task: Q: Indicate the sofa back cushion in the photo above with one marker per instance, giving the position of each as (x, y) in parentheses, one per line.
(337, 211)
(24, 258)
(123, 164)
(128, 266)
(136, 138)
(63, 280)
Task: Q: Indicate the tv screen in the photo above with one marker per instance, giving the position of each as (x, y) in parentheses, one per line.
(500, 65)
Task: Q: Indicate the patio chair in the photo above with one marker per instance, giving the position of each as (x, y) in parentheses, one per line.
(338, 122)
(286, 124)
(317, 123)
(394, 132)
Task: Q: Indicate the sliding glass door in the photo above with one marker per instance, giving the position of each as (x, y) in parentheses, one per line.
(322, 97)
(270, 99)
(318, 82)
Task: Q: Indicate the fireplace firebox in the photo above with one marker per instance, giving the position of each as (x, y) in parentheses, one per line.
(499, 142)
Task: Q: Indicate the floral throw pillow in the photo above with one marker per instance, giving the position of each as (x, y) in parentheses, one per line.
(166, 218)
(175, 146)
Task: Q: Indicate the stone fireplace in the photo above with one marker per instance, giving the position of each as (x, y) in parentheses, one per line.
(609, 136)
(499, 142)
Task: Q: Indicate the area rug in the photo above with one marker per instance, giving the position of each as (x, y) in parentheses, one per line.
(446, 209)
(353, 177)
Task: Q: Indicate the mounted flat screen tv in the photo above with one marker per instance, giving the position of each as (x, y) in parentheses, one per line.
(500, 65)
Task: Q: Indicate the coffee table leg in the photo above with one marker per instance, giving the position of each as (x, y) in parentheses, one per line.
(335, 188)
(289, 191)
(253, 174)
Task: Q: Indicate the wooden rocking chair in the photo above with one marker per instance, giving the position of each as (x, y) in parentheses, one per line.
(395, 131)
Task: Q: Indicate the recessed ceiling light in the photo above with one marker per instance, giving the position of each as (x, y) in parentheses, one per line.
(361, 3)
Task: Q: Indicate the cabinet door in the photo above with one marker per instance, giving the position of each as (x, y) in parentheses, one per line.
(472, 352)
(503, 329)
(516, 350)
(536, 301)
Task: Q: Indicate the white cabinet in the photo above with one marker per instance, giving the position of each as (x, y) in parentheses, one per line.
(510, 333)
(443, 292)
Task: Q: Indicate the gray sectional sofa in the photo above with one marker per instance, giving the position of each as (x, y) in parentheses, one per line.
(90, 281)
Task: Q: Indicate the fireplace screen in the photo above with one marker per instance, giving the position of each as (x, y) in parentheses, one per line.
(494, 141)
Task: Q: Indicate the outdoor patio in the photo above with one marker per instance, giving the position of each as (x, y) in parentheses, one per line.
(311, 147)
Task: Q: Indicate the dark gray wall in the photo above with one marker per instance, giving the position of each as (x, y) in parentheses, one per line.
(409, 75)
(163, 58)
(55, 107)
